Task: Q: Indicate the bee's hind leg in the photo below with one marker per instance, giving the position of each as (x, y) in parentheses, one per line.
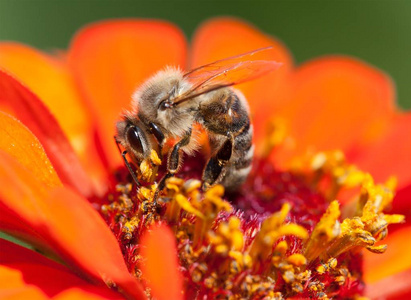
(173, 162)
(215, 169)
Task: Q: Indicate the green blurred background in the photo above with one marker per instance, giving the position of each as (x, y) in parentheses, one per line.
(378, 32)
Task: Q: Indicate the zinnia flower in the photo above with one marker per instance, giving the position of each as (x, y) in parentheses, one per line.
(328, 140)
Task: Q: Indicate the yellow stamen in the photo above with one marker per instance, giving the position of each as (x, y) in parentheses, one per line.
(276, 135)
(271, 230)
(326, 230)
(129, 227)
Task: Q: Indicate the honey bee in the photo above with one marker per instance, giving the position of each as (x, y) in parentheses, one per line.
(169, 103)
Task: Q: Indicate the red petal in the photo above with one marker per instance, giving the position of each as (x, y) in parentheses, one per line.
(112, 58)
(161, 265)
(224, 37)
(31, 111)
(65, 222)
(15, 254)
(402, 203)
(31, 281)
(25, 274)
(335, 103)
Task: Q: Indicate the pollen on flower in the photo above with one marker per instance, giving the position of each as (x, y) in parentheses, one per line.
(282, 235)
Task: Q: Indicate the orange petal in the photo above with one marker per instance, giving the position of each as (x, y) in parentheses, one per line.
(51, 81)
(224, 37)
(335, 103)
(29, 109)
(395, 260)
(390, 155)
(20, 143)
(25, 274)
(160, 268)
(111, 59)
(395, 287)
(67, 224)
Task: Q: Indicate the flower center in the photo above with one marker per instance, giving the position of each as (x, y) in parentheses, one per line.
(281, 235)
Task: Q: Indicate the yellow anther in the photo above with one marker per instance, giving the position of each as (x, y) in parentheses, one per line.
(318, 161)
(228, 234)
(216, 191)
(221, 249)
(192, 185)
(234, 223)
(293, 229)
(237, 240)
(145, 193)
(377, 249)
(146, 170)
(391, 183)
(243, 261)
(186, 205)
(352, 235)
(129, 227)
(373, 200)
(288, 276)
(176, 181)
(394, 219)
(332, 262)
(321, 269)
(248, 261)
(285, 209)
(349, 176)
(276, 135)
(210, 206)
(281, 247)
(326, 267)
(237, 255)
(297, 259)
(327, 160)
(155, 160)
(271, 230)
(172, 187)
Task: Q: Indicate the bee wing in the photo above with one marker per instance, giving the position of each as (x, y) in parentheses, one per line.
(226, 72)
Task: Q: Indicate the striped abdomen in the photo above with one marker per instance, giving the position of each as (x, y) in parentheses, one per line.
(226, 117)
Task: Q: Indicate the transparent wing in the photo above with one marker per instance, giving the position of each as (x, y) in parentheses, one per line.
(226, 72)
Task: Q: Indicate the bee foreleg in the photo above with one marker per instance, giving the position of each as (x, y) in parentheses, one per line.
(214, 170)
(159, 135)
(123, 154)
(173, 162)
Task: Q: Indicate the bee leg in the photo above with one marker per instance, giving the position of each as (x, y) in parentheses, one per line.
(214, 170)
(173, 162)
(123, 154)
(159, 135)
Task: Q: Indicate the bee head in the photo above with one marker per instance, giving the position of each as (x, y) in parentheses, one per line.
(135, 137)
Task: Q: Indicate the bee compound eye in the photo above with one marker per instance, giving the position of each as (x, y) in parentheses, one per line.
(165, 105)
(135, 139)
